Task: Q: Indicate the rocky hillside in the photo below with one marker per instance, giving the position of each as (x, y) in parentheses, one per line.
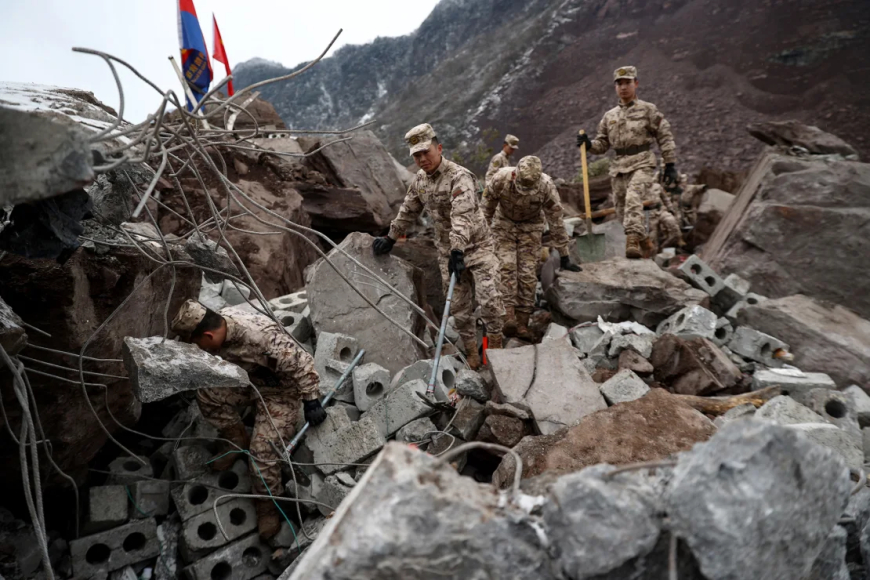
(541, 69)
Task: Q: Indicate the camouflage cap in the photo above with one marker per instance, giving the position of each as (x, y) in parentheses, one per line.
(188, 318)
(528, 173)
(513, 141)
(420, 137)
(625, 72)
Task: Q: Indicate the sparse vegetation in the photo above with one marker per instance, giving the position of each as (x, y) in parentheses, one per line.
(596, 169)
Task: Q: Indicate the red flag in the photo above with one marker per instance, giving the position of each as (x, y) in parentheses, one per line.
(220, 53)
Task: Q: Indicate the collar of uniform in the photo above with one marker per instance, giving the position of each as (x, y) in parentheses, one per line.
(437, 173)
(631, 104)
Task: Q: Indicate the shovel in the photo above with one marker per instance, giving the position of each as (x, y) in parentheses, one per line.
(590, 246)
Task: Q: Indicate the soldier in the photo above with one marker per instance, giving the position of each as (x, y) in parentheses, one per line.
(282, 372)
(449, 192)
(664, 223)
(630, 128)
(521, 198)
(502, 158)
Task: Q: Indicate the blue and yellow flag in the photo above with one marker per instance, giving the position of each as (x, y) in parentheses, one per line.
(195, 65)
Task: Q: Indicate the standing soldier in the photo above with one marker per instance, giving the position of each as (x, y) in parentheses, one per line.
(630, 128)
(520, 198)
(282, 372)
(502, 158)
(449, 192)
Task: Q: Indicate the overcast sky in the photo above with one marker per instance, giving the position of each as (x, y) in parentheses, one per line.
(36, 37)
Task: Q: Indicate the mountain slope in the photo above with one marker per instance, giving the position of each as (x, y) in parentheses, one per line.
(541, 69)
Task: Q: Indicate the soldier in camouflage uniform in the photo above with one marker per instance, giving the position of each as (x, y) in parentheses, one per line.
(630, 128)
(502, 158)
(282, 372)
(664, 221)
(449, 192)
(520, 199)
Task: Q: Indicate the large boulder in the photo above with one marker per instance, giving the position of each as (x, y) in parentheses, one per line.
(620, 289)
(798, 226)
(337, 308)
(795, 134)
(823, 337)
(548, 380)
(652, 427)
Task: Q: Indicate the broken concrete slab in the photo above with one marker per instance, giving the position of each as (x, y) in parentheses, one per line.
(795, 383)
(335, 307)
(445, 378)
(370, 382)
(330, 491)
(700, 275)
(690, 322)
(548, 380)
(661, 425)
(13, 337)
(692, 367)
(353, 444)
(586, 336)
(234, 293)
(728, 495)
(823, 337)
(399, 407)
(160, 368)
(168, 537)
(624, 386)
(621, 289)
(409, 508)
(757, 346)
(114, 549)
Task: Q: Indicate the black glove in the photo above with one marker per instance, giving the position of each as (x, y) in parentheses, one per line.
(383, 245)
(456, 263)
(314, 412)
(584, 138)
(670, 177)
(565, 264)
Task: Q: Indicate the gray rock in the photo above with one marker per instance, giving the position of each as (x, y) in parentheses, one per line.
(794, 133)
(409, 511)
(622, 387)
(641, 344)
(159, 369)
(470, 384)
(629, 359)
(585, 338)
(507, 410)
(860, 403)
(757, 493)
(445, 378)
(620, 289)
(502, 430)
(690, 322)
(555, 332)
(468, 419)
(548, 380)
(794, 383)
(12, 334)
(208, 254)
(831, 563)
(399, 407)
(416, 431)
(739, 412)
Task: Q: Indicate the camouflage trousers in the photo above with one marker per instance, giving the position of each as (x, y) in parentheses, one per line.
(518, 248)
(480, 281)
(629, 191)
(218, 406)
(664, 229)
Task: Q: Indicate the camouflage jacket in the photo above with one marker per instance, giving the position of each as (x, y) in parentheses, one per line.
(255, 341)
(635, 125)
(502, 199)
(450, 195)
(499, 161)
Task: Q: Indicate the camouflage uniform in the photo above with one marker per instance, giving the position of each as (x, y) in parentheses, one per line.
(500, 160)
(518, 226)
(450, 195)
(631, 129)
(664, 225)
(283, 373)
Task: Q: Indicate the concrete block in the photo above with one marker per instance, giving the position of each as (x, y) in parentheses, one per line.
(296, 302)
(757, 346)
(445, 379)
(641, 344)
(114, 549)
(399, 407)
(622, 387)
(126, 470)
(584, 338)
(334, 352)
(739, 412)
(297, 324)
(835, 406)
(416, 431)
(241, 560)
(723, 333)
(201, 533)
(690, 322)
(701, 276)
(196, 497)
(352, 444)
(187, 463)
(734, 290)
(795, 383)
(234, 295)
(861, 404)
(107, 508)
(370, 383)
(468, 419)
(151, 498)
(338, 418)
(750, 300)
(555, 332)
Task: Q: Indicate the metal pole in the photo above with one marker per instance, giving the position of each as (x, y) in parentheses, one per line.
(431, 388)
(325, 400)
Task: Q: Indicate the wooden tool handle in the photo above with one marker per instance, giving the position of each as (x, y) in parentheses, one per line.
(586, 186)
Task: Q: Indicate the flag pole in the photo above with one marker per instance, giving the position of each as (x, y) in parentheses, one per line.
(187, 89)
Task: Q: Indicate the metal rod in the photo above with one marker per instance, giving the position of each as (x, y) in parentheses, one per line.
(431, 388)
(325, 400)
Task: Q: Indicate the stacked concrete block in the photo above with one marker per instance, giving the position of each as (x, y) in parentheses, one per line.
(701, 276)
(201, 534)
(723, 332)
(242, 560)
(107, 508)
(757, 346)
(112, 550)
(127, 470)
(370, 384)
(296, 302)
(298, 324)
(399, 407)
(150, 498)
(751, 299)
(196, 497)
(734, 290)
(445, 378)
(334, 354)
(690, 322)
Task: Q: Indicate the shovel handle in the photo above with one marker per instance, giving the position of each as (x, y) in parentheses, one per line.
(586, 186)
